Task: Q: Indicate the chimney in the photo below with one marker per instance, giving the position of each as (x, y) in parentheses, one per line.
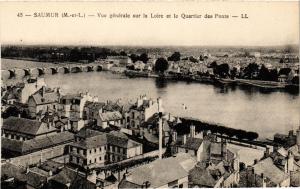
(192, 131)
(290, 162)
(263, 179)
(267, 152)
(174, 135)
(43, 90)
(224, 149)
(298, 139)
(184, 139)
(291, 133)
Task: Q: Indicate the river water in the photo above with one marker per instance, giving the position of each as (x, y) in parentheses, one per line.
(251, 109)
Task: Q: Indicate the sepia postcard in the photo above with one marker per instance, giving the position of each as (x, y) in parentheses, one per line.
(149, 94)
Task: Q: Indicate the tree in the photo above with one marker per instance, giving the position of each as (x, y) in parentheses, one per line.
(134, 57)
(233, 72)
(222, 70)
(251, 70)
(263, 73)
(175, 57)
(144, 58)
(192, 59)
(213, 65)
(295, 80)
(161, 65)
(123, 53)
(251, 135)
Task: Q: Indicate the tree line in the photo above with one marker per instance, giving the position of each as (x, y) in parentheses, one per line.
(200, 126)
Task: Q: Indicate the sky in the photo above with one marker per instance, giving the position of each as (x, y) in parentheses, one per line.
(268, 24)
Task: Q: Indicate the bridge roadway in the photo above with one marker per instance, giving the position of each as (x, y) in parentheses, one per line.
(39, 71)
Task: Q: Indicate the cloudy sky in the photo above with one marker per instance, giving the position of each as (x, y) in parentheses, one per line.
(269, 23)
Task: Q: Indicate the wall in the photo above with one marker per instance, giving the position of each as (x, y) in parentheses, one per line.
(43, 155)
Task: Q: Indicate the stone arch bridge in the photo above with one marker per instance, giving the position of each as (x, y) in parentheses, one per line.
(40, 71)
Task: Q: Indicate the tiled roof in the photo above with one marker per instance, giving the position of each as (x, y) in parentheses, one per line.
(91, 142)
(26, 126)
(45, 97)
(109, 116)
(37, 144)
(31, 178)
(201, 177)
(96, 139)
(70, 177)
(295, 178)
(12, 171)
(94, 105)
(126, 184)
(192, 143)
(270, 171)
(86, 133)
(159, 172)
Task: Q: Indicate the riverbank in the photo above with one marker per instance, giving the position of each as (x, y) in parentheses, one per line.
(213, 80)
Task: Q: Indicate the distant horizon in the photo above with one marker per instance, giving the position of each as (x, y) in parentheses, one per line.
(149, 46)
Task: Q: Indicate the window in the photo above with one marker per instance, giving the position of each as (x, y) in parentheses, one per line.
(100, 158)
(186, 150)
(77, 150)
(90, 151)
(18, 137)
(90, 161)
(95, 160)
(84, 152)
(118, 150)
(71, 158)
(95, 150)
(180, 186)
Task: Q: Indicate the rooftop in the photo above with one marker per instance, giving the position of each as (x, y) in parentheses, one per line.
(155, 172)
(26, 126)
(37, 144)
(270, 171)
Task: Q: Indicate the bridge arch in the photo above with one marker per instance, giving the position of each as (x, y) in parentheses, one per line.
(66, 70)
(27, 72)
(90, 68)
(76, 69)
(99, 68)
(41, 71)
(12, 74)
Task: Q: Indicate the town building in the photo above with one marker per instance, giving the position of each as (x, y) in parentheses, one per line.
(72, 107)
(13, 176)
(37, 150)
(21, 91)
(43, 100)
(92, 110)
(209, 175)
(95, 148)
(110, 118)
(22, 129)
(141, 112)
(170, 172)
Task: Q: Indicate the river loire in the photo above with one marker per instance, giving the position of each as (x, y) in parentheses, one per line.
(264, 112)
